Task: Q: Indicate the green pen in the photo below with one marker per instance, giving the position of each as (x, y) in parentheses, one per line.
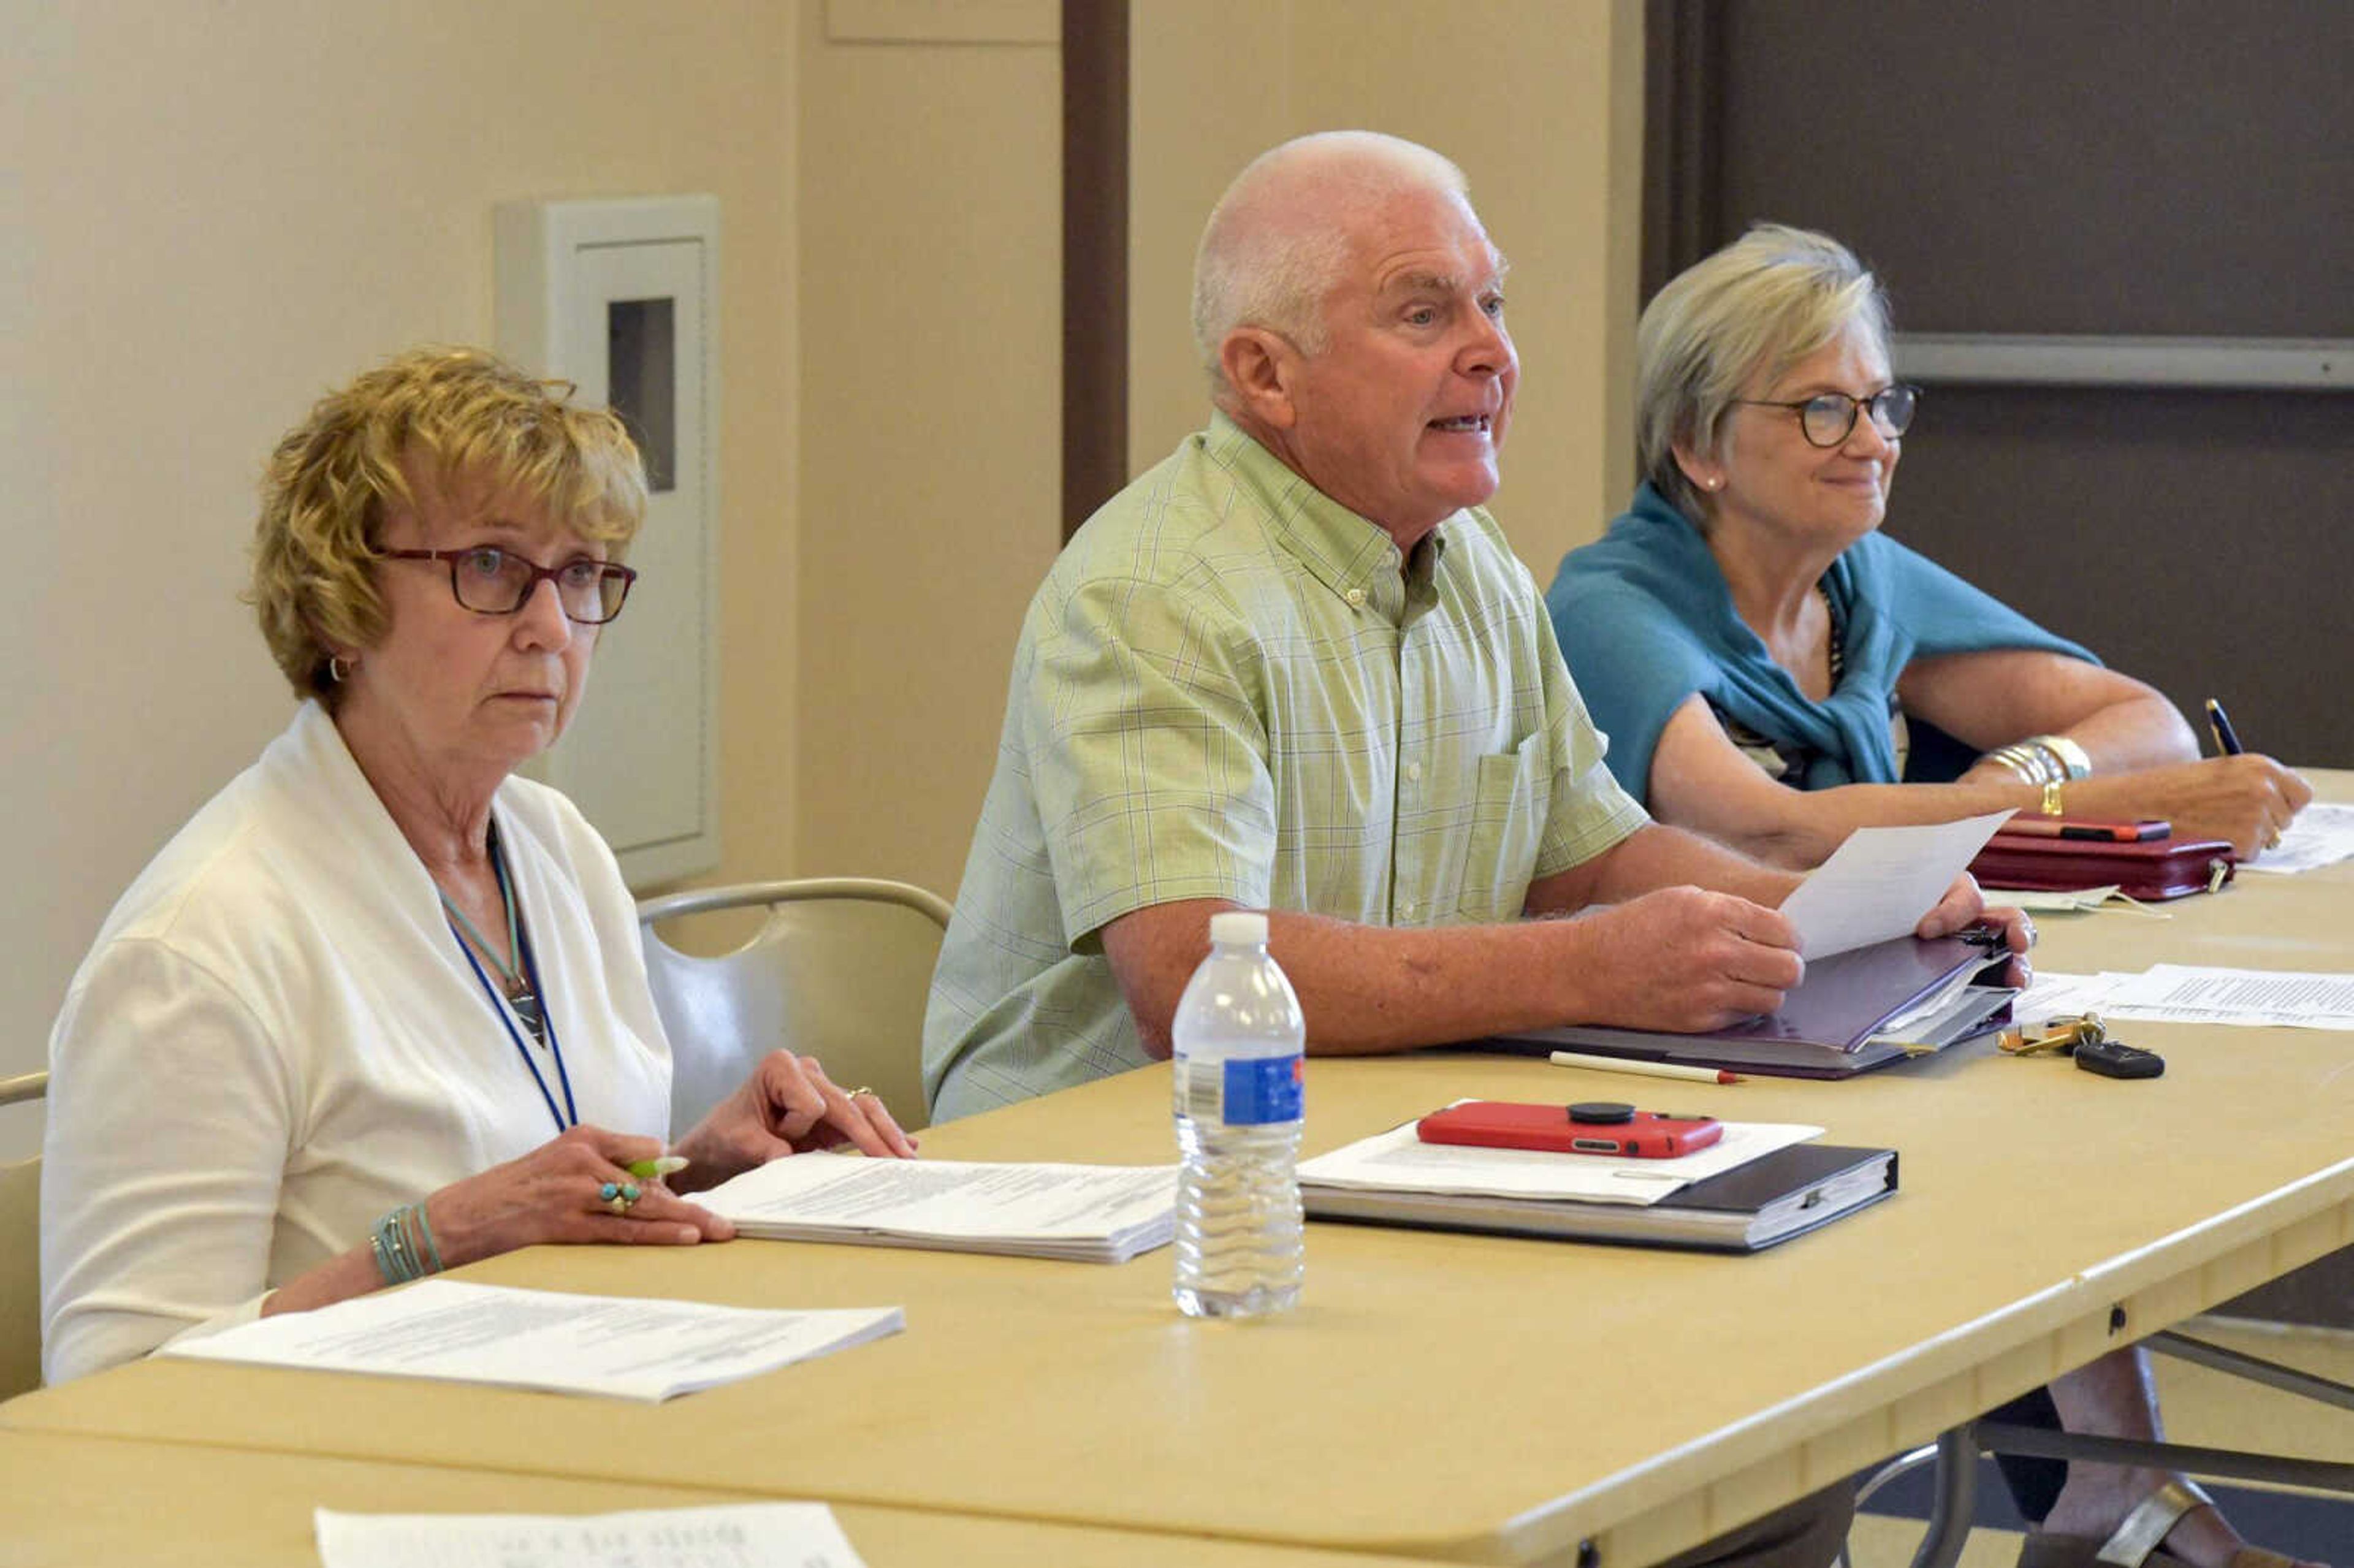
(647, 1170)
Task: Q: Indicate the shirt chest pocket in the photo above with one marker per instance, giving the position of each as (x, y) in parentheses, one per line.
(1510, 803)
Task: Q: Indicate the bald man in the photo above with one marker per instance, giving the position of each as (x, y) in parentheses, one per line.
(1294, 667)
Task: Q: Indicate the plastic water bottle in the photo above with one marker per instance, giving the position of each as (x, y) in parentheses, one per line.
(1238, 1038)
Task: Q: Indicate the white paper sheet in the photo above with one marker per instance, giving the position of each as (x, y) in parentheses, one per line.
(735, 1535)
(2044, 901)
(1398, 1161)
(1106, 1212)
(2053, 996)
(2323, 834)
(2188, 993)
(1881, 882)
(622, 1346)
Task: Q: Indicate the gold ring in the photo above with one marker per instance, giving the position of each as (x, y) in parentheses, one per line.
(2272, 838)
(862, 1089)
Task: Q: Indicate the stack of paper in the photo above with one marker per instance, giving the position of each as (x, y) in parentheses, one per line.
(1758, 1184)
(730, 1535)
(649, 1350)
(1082, 1213)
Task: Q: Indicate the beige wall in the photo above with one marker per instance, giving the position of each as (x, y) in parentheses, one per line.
(1539, 101)
(931, 422)
(214, 212)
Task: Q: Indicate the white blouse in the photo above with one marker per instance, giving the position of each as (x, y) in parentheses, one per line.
(277, 1037)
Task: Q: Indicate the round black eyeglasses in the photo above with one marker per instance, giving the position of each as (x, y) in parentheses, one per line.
(492, 581)
(1827, 419)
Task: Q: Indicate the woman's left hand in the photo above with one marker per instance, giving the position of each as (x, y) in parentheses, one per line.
(787, 1106)
(1965, 906)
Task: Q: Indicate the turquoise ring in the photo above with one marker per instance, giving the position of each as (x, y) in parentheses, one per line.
(617, 1196)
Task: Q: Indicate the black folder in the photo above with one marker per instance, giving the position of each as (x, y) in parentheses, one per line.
(1826, 1023)
(1750, 1207)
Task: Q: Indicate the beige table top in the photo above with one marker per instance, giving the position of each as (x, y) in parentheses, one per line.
(74, 1502)
(1457, 1397)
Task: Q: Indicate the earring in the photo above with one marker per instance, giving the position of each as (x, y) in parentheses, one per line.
(338, 667)
(1715, 482)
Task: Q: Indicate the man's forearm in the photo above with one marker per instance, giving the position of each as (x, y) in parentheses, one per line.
(1659, 856)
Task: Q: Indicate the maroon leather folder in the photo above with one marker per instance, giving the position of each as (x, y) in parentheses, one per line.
(2151, 869)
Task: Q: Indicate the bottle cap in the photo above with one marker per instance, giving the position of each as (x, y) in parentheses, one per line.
(1238, 928)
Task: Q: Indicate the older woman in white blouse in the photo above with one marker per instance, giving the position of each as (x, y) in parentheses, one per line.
(379, 1008)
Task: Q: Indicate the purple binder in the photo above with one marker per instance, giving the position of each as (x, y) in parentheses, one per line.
(1825, 1026)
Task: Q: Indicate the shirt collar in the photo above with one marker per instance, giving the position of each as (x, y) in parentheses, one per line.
(1351, 554)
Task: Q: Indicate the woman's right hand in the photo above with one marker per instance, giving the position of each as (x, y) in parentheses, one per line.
(2248, 799)
(554, 1193)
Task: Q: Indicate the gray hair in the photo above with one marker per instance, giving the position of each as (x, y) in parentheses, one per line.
(1743, 317)
(1271, 251)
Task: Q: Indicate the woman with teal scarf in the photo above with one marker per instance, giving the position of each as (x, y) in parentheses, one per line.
(1756, 649)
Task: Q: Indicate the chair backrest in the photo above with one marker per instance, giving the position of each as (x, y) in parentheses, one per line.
(839, 970)
(20, 1255)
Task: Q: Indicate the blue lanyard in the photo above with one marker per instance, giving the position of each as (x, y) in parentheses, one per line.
(546, 1017)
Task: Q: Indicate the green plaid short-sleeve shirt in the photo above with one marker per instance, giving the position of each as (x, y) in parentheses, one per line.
(1231, 687)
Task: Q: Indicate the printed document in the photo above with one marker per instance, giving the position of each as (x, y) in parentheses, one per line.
(1398, 1161)
(2189, 993)
(733, 1535)
(1881, 882)
(2323, 834)
(1088, 1214)
(546, 1340)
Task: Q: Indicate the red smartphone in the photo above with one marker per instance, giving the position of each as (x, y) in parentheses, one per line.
(1592, 1126)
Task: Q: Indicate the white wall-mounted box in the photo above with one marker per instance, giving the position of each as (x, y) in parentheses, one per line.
(622, 298)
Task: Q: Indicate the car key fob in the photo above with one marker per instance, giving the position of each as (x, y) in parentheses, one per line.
(2116, 1059)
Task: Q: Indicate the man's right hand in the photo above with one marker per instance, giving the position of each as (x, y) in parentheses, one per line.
(1686, 960)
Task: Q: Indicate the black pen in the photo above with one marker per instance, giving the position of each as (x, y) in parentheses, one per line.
(2219, 725)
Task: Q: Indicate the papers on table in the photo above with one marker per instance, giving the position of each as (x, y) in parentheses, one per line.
(2188, 993)
(2322, 835)
(1086, 1213)
(2112, 899)
(648, 1350)
(1398, 1161)
(738, 1535)
(1881, 882)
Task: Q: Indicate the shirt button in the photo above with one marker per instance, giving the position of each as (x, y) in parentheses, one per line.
(1406, 908)
(1356, 598)
(1413, 772)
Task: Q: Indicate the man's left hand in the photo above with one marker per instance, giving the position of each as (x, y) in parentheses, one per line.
(1963, 906)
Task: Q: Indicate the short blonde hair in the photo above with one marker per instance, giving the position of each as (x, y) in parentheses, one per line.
(443, 416)
(1743, 317)
(1268, 258)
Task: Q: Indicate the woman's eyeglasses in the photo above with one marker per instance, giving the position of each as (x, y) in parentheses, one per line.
(492, 581)
(1827, 419)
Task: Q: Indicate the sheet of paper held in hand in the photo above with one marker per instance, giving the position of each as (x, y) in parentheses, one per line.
(728, 1535)
(1881, 882)
(2323, 834)
(648, 1350)
(1104, 1213)
(1398, 1161)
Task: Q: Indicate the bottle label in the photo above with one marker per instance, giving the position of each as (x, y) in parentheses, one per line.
(1263, 1090)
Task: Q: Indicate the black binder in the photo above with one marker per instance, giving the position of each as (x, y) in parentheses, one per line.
(1746, 1209)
